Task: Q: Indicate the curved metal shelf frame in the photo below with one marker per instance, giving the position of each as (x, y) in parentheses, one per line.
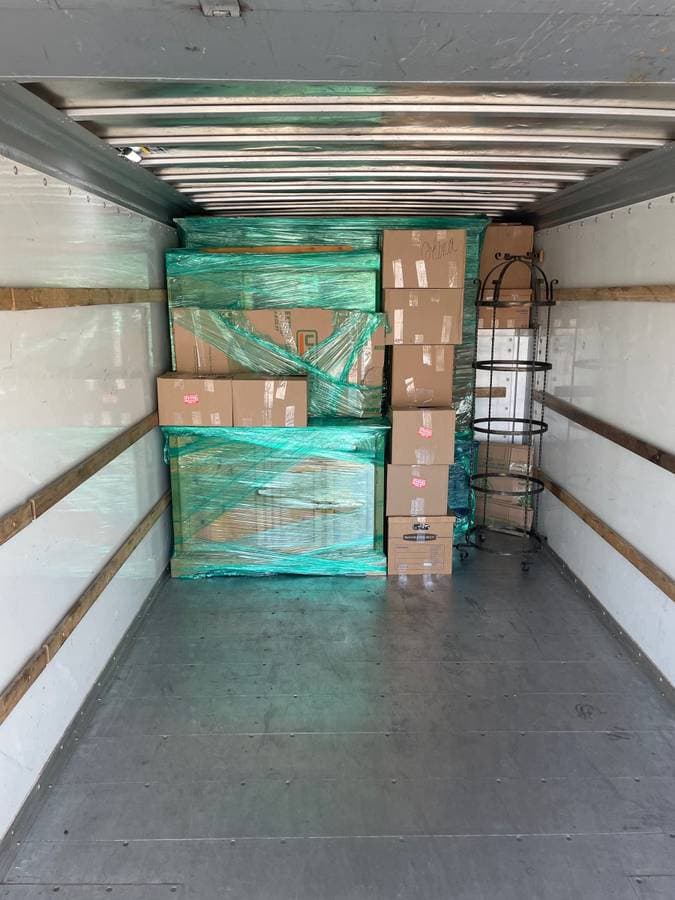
(512, 365)
(538, 485)
(537, 426)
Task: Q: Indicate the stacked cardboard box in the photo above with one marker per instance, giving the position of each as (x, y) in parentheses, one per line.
(511, 462)
(515, 240)
(423, 282)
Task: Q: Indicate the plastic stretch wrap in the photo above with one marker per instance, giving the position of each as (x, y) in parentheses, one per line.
(460, 496)
(337, 367)
(348, 280)
(259, 501)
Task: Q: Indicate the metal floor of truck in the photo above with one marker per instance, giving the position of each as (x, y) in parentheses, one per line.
(481, 737)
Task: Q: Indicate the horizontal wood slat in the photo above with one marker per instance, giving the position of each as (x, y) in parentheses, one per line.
(25, 513)
(645, 449)
(650, 570)
(21, 299)
(481, 392)
(38, 662)
(283, 248)
(637, 293)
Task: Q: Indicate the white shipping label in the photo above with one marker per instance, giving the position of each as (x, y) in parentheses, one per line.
(281, 390)
(420, 265)
(268, 397)
(418, 339)
(215, 419)
(426, 355)
(446, 330)
(289, 419)
(440, 359)
(209, 386)
(410, 386)
(398, 326)
(417, 506)
(397, 266)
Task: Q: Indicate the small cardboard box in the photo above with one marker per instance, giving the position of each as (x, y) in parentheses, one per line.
(516, 240)
(259, 402)
(419, 545)
(417, 490)
(194, 401)
(421, 375)
(511, 459)
(422, 436)
(424, 316)
(423, 259)
(507, 316)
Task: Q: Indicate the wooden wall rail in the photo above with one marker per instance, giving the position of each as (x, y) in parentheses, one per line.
(638, 293)
(650, 570)
(20, 299)
(38, 662)
(17, 519)
(645, 449)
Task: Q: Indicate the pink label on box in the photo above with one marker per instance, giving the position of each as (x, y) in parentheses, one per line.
(419, 482)
(425, 432)
(190, 399)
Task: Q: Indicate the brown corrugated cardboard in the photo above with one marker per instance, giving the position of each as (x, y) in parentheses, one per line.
(500, 512)
(512, 459)
(263, 402)
(432, 316)
(422, 436)
(421, 375)
(419, 545)
(516, 240)
(417, 490)
(296, 330)
(191, 400)
(507, 316)
(423, 259)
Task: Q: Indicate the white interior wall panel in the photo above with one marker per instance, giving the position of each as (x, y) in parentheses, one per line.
(615, 360)
(70, 379)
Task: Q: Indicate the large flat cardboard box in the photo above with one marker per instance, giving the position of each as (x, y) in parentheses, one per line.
(512, 461)
(190, 400)
(422, 436)
(260, 402)
(507, 316)
(419, 545)
(282, 342)
(417, 490)
(421, 375)
(432, 316)
(423, 259)
(514, 239)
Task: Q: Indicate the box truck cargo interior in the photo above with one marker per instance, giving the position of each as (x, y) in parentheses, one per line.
(337, 514)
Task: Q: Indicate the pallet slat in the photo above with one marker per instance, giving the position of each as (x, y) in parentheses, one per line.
(638, 293)
(22, 299)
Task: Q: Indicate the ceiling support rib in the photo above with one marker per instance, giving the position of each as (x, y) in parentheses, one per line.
(35, 134)
(649, 175)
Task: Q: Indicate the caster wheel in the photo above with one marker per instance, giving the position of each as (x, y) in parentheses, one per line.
(463, 555)
(525, 566)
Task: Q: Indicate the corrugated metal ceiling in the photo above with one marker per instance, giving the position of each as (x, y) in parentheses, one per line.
(259, 148)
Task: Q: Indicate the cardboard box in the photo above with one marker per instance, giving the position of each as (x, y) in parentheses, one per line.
(514, 239)
(500, 512)
(422, 436)
(262, 402)
(419, 545)
(417, 490)
(421, 375)
(507, 316)
(423, 259)
(194, 401)
(281, 342)
(424, 316)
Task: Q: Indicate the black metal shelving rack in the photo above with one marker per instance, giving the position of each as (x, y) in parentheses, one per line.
(491, 481)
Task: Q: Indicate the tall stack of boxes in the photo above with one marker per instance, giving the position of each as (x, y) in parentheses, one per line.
(423, 287)
(509, 458)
